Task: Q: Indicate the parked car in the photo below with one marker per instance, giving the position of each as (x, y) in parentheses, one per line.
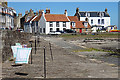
(20, 30)
(69, 31)
(60, 31)
(54, 33)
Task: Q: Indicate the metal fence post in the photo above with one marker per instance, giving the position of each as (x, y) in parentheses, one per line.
(31, 50)
(51, 51)
(35, 45)
(44, 63)
(31, 53)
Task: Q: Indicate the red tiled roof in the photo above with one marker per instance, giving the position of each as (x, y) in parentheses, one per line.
(37, 18)
(56, 17)
(80, 24)
(73, 18)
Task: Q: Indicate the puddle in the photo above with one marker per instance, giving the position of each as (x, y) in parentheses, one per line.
(16, 65)
(21, 74)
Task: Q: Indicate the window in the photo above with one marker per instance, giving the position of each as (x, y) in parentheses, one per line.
(102, 21)
(85, 24)
(57, 24)
(98, 21)
(43, 30)
(64, 24)
(40, 30)
(51, 29)
(57, 29)
(91, 21)
(73, 24)
(36, 23)
(51, 24)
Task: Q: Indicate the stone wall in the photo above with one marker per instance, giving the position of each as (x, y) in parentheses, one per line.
(9, 38)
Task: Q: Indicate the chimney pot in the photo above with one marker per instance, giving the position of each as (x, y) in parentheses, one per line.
(105, 9)
(47, 11)
(65, 12)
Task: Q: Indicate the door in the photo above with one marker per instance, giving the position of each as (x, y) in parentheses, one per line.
(80, 30)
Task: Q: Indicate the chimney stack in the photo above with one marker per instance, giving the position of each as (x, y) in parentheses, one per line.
(20, 15)
(65, 12)
(40, 11)
(26, 12)
(47, 11)
(106, 10)
(36, 12)
(77, 10)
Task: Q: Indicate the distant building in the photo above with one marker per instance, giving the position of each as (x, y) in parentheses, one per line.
(26, 17)
(53, 22)
(7, 16)
(79, 26)
(32, 25)
(46, 22)
(112, 27)
(94, 17)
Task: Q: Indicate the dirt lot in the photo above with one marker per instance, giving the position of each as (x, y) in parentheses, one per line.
(70, 60)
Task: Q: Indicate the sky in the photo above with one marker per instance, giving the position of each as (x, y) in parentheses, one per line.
(59, 7)
(63, 0)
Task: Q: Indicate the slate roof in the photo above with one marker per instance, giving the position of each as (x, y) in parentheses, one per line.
(56, 17)
(94, 14)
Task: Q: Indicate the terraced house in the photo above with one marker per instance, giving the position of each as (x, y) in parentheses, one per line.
(95, 18)
(53, 22)
(7, 15)
(46, 22)
(79, 26)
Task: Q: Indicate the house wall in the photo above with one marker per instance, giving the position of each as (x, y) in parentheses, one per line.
(6, 20)
(42, 24)
(61, 28)
(88, 30)
(95, 20)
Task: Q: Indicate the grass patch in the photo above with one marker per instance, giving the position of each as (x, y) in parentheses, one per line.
(97, 37)
(93, 49)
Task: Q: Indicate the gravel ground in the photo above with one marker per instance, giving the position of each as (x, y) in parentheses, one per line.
(65, 64)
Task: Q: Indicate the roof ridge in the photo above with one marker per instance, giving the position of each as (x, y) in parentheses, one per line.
(54, 14)
(92, 11)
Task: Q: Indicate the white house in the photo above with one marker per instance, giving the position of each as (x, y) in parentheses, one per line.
(94, 17)
(7, 15)
(31, 25)
(53, 22)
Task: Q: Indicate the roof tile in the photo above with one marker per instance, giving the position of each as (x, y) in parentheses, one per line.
(56, 17)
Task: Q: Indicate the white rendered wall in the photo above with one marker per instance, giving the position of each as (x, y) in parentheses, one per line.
(95, 20)
(41, 23)
(54, 26)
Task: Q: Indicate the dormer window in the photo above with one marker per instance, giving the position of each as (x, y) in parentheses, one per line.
(102, 14)
(85, 24)
(73, 24)
(87, 14)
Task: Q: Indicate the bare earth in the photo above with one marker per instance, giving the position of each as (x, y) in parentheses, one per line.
(66, 62)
